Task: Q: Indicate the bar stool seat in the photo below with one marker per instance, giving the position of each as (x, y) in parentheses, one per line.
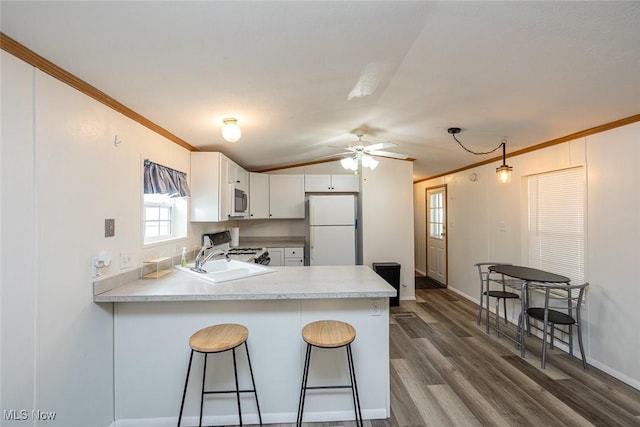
(329, 334)
(218, 339)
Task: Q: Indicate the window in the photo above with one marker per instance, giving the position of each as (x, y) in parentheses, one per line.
(158, 216)
(556, 224)
(436, 215)
(164, 218)
(164, 215)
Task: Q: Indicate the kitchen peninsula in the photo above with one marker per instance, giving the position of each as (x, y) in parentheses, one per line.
(153, 320)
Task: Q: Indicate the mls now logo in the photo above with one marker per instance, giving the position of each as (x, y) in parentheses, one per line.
(23, 414)
(15, 414)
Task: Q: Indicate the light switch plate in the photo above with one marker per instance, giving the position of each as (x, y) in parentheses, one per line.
(109, 227)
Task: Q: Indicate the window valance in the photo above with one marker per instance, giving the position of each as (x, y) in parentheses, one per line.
(160, 179)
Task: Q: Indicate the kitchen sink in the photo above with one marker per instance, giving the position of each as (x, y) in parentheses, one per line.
(221, 270)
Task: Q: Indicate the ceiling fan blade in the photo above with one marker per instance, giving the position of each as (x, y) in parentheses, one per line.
(342, 147)
(389, 154)
(336, 156)
(380, 146)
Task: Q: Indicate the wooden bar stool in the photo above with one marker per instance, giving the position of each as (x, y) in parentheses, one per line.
(218, 339)
(329, 334)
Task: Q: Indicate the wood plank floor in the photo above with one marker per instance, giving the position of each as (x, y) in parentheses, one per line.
(446, 371)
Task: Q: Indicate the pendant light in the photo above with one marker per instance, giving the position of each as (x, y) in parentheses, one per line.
(504, 170)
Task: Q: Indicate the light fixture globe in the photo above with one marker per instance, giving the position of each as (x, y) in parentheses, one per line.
(369, 162)
(231, 132)
(504, 173)
(349, 163)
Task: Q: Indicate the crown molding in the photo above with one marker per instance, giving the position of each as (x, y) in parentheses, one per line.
(20, 51)
(571, 137)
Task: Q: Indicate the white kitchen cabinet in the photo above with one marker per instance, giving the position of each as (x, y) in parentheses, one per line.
(209, 187)
(211, 177)
(293, 257)
(321, 183)
(286, 196)
(288, 257)
(258, 195)
(238, 176)
(277, 257)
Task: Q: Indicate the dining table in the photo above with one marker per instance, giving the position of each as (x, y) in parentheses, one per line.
(529, 276)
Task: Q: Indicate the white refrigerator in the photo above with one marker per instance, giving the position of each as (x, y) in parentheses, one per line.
(332, 230)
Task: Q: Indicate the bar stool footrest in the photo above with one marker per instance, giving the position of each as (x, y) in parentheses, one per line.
(227, 391)
(323, 387)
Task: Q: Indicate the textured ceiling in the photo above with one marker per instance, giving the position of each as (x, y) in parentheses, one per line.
(301, 76)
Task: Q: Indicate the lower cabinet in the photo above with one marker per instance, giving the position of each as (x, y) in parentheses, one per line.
(293, 257)
(286, 257)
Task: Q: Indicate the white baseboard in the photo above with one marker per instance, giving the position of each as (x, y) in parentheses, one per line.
(270, 418)
(420, 273)
(619, 375)
(614, 373)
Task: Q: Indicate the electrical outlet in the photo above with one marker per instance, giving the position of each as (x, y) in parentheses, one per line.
(376, 309)
(125, 260)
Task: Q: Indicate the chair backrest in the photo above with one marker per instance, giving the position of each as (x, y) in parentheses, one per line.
(483, 268)
(561, 297)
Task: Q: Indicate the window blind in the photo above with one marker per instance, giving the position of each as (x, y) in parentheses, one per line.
(556, 228)
(160, 179)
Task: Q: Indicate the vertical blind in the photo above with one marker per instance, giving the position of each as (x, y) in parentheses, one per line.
(557, 222)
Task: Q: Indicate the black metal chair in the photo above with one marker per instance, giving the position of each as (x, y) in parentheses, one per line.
(486, 292)
(561, 307)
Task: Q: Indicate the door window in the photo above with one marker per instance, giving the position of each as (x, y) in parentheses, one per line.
(436, 215)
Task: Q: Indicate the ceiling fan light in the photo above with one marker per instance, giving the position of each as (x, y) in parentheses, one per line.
(349, 163)
(369, 162)
(231, 132)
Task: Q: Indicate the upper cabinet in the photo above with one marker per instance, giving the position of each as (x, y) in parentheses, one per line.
(258, 195)
(211, 177)
(346, 183)
(208, 203)
(286, 196)
(238, 176)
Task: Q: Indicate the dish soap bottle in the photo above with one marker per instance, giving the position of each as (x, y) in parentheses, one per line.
(183, 261)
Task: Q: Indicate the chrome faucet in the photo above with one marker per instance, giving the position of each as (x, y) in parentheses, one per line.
(200, 261)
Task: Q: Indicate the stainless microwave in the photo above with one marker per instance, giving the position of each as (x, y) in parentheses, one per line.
(239, 202)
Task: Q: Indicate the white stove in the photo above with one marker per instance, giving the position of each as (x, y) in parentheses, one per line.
(257, 255)
(220, 241)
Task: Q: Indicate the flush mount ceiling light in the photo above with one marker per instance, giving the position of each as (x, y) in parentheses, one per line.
(504, 170)
(231, 132)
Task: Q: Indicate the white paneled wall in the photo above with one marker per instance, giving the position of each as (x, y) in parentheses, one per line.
(387, 219)
(18, 294)
(62, 175)
(487, 223)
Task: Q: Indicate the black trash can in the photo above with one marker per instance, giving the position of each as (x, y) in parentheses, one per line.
(390, 271)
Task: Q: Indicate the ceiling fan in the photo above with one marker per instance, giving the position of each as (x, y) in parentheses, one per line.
(362, 153)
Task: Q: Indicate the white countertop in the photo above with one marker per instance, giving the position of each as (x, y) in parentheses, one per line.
(355, 281)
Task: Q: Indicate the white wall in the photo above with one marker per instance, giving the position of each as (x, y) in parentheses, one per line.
(18, 294)
(477, 210)
(62, 176)
(387, 219)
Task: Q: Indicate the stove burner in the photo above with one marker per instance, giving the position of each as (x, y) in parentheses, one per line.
(244, 251)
